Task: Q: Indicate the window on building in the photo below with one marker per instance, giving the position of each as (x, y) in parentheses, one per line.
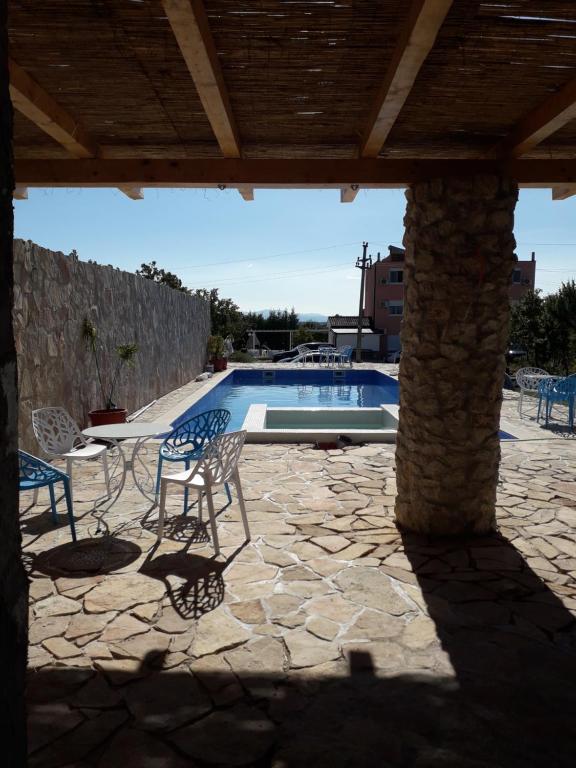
(517, 276)
(396, 276)
(394, 307)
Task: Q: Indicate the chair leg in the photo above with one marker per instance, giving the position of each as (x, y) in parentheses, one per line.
(227, 488)
(53, 504)
(520, 403)
(69, 508)
(186, 490)
(162, 511)
(158, 475)
(212, 516)
(69, 473)
(35, 497)
(242, 504)
(106, 471)
(200, 506)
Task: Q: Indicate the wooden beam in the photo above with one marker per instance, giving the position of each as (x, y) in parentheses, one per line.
(39, 107)
(368, 173)
(547, 118)
(192, 32)
(563, 193)
(348, 194)
(31, 100)
(134, 193)
(415, 40)
(247, 193)
(20, 192)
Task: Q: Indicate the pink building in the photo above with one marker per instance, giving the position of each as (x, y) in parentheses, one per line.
(384, 294)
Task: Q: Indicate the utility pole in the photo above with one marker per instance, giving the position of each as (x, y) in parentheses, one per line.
(363, 263)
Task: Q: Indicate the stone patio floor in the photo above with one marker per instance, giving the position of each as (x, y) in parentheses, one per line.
(330, 639)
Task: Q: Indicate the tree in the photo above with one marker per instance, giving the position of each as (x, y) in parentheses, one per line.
(545, 326)
(152, 272)
(225, 315)
(527, 327)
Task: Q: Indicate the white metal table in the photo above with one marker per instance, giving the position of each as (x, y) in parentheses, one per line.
(139, 432)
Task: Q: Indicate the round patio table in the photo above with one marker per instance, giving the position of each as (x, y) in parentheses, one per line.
(140, 432)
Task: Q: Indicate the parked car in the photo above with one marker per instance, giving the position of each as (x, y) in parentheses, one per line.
(292, 353)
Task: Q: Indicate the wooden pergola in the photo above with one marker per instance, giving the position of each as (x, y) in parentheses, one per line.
(349, 94)
(461, 101)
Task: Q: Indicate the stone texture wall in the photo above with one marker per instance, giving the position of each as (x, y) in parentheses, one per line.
(53, 294)
(459, 259)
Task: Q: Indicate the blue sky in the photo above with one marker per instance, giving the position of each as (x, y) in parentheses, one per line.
(292, 247)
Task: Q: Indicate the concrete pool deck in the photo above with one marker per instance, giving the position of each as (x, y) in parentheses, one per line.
(331, 637)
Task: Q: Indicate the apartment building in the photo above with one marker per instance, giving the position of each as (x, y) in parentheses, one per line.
(384, 294)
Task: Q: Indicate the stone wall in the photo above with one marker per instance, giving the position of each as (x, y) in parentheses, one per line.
(55, 292)
(459, 259)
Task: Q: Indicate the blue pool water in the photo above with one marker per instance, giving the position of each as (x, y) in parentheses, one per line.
(298, 389)
(295, 389)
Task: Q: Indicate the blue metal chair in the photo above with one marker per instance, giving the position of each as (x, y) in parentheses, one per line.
(188, 441)
(344, 355)
(35, 473)
(561, 391)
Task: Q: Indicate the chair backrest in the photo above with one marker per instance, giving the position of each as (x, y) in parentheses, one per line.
(346, 352)
(566, 386)
(55, 430)
(547, 385)
(195, 433)
(221, 456)
(525, 378)
(32, 468)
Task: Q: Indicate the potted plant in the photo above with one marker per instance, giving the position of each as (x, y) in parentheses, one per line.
(125, 354)
(216, 353)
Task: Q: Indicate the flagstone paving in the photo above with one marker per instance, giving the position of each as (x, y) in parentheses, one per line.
(329, 639)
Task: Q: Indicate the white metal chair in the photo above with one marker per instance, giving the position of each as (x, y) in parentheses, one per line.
(58, 435)
(528, 379)
(218, 466)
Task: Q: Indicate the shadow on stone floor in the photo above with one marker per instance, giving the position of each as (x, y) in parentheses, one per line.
(194, 584)
(506, 699)
(178, 527)
(85, 557)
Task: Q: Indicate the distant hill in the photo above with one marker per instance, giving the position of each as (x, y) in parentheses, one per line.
(311, 317)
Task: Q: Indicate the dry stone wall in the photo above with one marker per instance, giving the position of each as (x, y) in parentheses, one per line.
(53, 293)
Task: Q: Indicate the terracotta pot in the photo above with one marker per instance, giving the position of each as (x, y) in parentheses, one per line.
(102, 416)
(219, 364)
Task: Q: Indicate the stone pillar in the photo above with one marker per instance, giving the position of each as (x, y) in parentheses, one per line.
(459, 258)
(13, 582)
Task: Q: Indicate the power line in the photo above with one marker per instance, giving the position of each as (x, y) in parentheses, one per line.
(262, 258)
(278, 276)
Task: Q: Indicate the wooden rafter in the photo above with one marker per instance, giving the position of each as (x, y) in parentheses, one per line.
(415, 40)
(348, 194)
(247, 193)
(192, 32)
(20, 192)
(547, 118)
(367, 173)
(563, 193)
(30, 99)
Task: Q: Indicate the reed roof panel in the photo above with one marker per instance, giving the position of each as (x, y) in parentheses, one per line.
(301, 75)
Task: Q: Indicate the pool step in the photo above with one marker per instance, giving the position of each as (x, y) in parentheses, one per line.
(268, 376)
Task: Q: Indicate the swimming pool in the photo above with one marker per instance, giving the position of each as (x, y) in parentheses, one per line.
(295, 389)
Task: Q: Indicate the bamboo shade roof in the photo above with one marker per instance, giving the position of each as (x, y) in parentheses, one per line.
(301, 77)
